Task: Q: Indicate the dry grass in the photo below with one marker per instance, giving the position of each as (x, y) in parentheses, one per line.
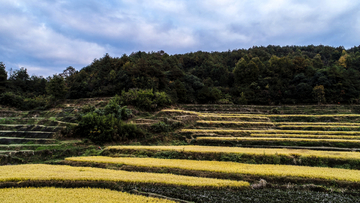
(232, 168)
(275, 139)
(318, 126)
(313, 132)
(236, 122)
(307, 136)
(36, 172)
(317, 123)
(240, 150)
(62, 195)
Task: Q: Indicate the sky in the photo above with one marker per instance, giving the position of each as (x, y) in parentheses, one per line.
(47, 36)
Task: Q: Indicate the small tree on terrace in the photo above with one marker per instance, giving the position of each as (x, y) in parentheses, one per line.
(56, 87)
(319, 94)
(3, 78)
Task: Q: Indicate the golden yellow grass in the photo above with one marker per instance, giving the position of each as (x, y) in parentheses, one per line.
(308, 115)
(214, 114)
(318, 126)
(241, 150)
(236, 122)
(275, 139)
(58, 173)
(261, 115)
(271, 131)
(232, 167)
(66, 195)
(316, 123)
(307, 136)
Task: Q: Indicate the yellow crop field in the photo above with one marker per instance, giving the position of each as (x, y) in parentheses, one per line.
(308, 136)
(59, 172)
(241, 150)
(66, 195)
(313, 132)
(316, 123)
(231, 116)
(262, 115)
(236, 122)
(179, 111)
(316, 116)
(275, 139)
(318, 126)
(233, 168)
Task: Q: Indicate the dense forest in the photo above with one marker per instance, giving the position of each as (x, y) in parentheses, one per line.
(259, 75)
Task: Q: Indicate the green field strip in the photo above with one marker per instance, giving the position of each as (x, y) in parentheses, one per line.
(16, 151)
(267, 170)
(19, 140)
(65, 195)
(307, 136)
(34, 132)
(25, 146)
(232, 131)
(239, 139)
(242, 150)
(30, 125)
(43, 172)
(316, 123)
(22, 118)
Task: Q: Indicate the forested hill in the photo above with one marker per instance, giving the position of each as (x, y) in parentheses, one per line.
(259, 75)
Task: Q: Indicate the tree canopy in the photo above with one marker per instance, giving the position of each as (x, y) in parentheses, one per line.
(259, 75)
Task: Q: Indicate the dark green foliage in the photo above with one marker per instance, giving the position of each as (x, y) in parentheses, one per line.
(160, 127)
(3, 78)
(106, 125)
(114, 108)
(11, 99)
(105, 128)
(18, 101)
(56, 87)
(145, 99)
(266, 75)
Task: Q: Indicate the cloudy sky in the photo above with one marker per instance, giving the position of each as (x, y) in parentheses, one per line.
(46, 36)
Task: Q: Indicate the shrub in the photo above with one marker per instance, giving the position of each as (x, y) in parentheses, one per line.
(145, 99)
(105, 128)
(160, 127)
(114, 108)
(11, 99)
(17, 101)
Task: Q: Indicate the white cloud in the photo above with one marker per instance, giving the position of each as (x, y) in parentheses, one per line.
(75, 32)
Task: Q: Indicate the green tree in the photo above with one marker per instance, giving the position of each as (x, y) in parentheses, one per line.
(319, 94)
(56, 87)
(3, 77)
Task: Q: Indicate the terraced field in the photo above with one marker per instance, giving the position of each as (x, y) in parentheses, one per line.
(246, 156)
(257, 148)
(26, 136)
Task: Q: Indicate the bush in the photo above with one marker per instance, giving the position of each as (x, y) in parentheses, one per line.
(160, 127)
(105, 128)
(145, 99)
(11, 99)
(114, 108)
(17, 101)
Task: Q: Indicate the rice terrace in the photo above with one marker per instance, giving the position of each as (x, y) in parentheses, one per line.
(264, 124)
(187, 153)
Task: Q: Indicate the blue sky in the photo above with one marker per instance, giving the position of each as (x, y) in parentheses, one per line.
(46, 36)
